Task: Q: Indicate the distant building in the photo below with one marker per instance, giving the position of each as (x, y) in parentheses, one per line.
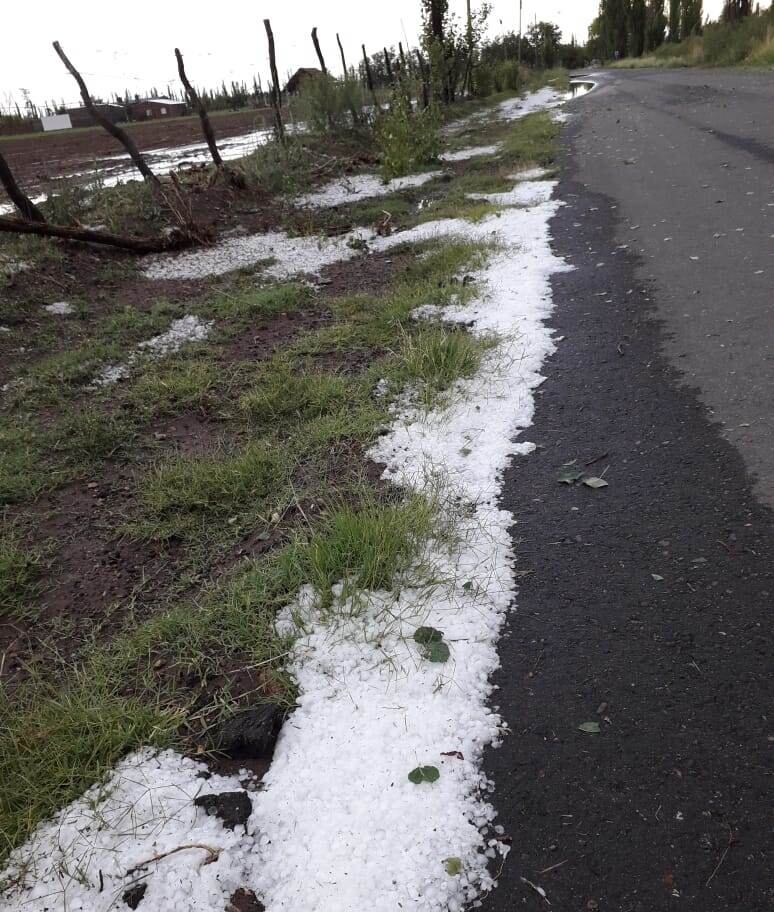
(52, 122)
(300, 77)
(154, 108)
(80, 116)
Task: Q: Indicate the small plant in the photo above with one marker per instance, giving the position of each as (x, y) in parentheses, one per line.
(329, 105)
(278, 168)
(407, 138)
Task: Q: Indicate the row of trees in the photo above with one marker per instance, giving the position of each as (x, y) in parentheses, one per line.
(631, 28)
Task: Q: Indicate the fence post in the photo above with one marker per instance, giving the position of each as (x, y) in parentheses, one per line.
(276, 92)
(370, 80)
(199, 105)
(115, 131)
(319, 52)
(343, 60)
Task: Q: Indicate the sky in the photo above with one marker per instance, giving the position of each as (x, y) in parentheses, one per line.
(134, 49)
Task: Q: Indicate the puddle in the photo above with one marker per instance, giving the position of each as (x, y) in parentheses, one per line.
(579, 88)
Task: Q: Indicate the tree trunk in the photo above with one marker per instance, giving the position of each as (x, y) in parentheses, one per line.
(115, 131)
(388, 67)
(316, 44)
(197, 103)
(17, 196)
(423, 74)
(89, 236)
(276, 92)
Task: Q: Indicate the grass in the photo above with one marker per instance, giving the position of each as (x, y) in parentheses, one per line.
(56, 741)
(18, 576)
(293, 431)
(365, 547)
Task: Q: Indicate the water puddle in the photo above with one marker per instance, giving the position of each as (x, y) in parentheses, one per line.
(578, 88)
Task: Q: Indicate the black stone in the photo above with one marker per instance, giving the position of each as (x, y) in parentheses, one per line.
(233, 808)
(252, 734)
(134, 894)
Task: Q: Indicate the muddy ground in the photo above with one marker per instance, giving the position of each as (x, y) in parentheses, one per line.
(41, 157)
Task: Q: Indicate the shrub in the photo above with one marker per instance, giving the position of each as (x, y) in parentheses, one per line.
(407, 138)
(328, 105)
(507, 76)
(483, 81)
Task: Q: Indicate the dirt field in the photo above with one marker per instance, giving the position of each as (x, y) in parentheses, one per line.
(41, 157)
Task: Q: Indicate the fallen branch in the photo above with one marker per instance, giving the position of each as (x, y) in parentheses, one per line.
(196, 102)
(17, 196)
(113, 129)
(212, 855)
(89, 236)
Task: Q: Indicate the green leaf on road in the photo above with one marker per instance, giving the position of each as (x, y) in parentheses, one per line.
(424, 774)
(591, 728)
(595, 482)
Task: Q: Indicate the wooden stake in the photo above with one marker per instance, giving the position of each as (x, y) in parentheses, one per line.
(423, 74)
(343, 59)
(18, 197)
(316, 44)
(388, 66)
(115, 131)
(370, 80)
(197, 103)
(276, 92)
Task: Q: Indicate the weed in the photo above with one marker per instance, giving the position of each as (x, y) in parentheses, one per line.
(407, 139)
(329, 105)
(177, 385)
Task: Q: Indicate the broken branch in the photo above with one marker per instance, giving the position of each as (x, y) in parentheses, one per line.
(17, 196)
(89, 236)
(196, 102)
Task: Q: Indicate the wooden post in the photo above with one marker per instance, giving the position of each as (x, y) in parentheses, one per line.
(316, 44)
(197, 103)
(370, 80)
(343, 59)
(276, 92)
(115, 131)
(423, 74)
(18, 197)
(388, 67)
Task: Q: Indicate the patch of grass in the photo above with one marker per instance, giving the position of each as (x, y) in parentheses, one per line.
(458, 207)
(22, 470)
(56, 376)
(282, 394)
(532, 140)
(365, 547)
(437, 356)
(57, 741)
(89, 436)
(216, 485)
(247, 302)
(18, 573)
(177, 384)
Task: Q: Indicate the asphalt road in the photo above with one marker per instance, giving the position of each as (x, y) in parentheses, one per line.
(646, 606)
(688, 156)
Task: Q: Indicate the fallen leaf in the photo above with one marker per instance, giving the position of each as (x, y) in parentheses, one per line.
(436, 652)
(570, 476)
(595, 483)
(453, 866)
(422, 774)
(591, 728)
(425, 635)
(456, 754)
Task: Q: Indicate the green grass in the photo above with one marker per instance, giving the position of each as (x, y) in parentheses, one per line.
(57, 741)
(282, 394)
(18, 576)
(366, 547)
(244, 303)
(216, 484)
(177, 385)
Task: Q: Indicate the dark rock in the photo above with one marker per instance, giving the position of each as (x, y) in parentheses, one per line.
(252, 734)
(245, 901)
(134, 894)
(233, 808)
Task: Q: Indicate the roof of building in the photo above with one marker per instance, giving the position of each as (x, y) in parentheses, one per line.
(166, 101)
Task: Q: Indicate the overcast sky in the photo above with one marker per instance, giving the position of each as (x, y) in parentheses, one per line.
(130, 45)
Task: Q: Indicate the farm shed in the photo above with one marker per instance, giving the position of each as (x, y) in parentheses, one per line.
(80, 116)
(299, 78)
(154, 108)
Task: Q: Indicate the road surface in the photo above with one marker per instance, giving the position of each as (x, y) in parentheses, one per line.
(646, 606)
